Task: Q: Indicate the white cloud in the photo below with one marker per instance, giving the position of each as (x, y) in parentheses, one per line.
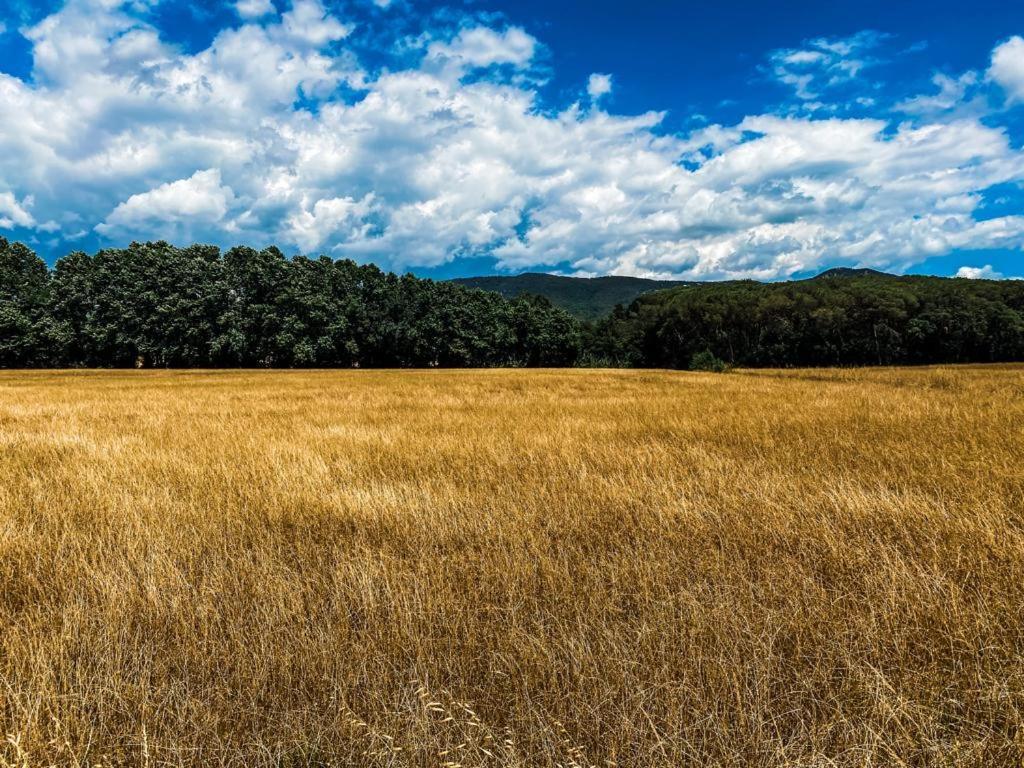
(200, 199)
(979, 273)
(79, 42)
(825, 62)
(484, 47)
(1007, 68)
(599, 85)
(310, 24)
(338, 218)
(429, 164)
(14, 214)
(951, 94)
(254, 9)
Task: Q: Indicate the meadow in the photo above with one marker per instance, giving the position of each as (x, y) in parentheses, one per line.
(512, 568)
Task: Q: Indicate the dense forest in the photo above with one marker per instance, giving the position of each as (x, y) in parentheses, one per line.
(152, 304)
(842, 317)
(156, 305)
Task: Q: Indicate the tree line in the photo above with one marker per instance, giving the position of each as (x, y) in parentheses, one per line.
(843, 318)
(157, 305)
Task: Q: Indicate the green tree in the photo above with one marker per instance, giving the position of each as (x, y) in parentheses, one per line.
(27, 336)
(252, 329)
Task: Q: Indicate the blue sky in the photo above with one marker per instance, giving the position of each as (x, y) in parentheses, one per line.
(662, 139)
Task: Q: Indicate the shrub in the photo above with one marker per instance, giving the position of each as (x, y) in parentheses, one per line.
(708, 361)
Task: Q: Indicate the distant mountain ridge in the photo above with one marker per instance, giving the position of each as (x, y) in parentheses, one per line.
(587, 298)
(591, 298)
(851, 272)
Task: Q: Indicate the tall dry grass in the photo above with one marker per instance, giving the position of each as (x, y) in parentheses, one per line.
(512, 568)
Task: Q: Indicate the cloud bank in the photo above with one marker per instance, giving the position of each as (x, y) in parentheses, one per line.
(276, 132)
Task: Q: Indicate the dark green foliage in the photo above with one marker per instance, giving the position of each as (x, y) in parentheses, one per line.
(27, 334)
(850, 317)
(152, 304)
(544, 335)
(257, 326)
(584, 298)
(707, 361)
(148, 304)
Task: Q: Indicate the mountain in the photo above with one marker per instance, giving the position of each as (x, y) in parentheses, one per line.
(587, 298)
(851, 272)
(591, 298)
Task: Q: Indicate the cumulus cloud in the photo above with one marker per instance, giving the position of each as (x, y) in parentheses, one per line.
(200, 199)
(983, 273)
(87, 38)
(599, 85)
(485, 47)
(253, 9)
(1007, 68)
(337, 217)
(13, 214)
(308, 23)
(979, 273)
(255, 139)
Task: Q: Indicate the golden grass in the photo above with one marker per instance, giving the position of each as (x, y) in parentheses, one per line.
(512, 568)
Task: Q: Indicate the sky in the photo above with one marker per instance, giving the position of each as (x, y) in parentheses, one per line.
(686, 139)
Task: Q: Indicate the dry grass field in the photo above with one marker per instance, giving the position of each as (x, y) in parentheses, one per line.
(512, 568)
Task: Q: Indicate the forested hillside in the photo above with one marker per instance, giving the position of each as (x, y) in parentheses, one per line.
(843, 317)
(152, 304)
(586, 298)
